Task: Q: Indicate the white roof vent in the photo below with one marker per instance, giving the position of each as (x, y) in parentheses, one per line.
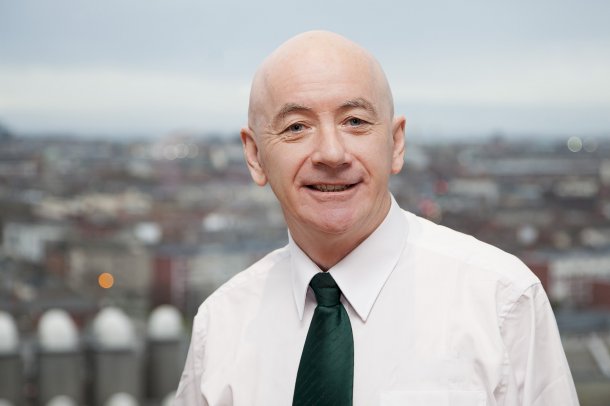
(113, 329)
(165, 324)
(61, 400)
(9, 337)
(57, 331)
(121, 399)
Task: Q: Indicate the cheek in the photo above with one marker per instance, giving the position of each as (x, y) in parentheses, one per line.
(280, 167)
(376, 157)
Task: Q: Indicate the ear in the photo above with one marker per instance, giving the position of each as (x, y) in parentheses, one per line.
(252, 157)
(398, 140)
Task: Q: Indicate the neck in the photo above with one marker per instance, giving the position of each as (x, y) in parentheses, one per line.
(328, 254)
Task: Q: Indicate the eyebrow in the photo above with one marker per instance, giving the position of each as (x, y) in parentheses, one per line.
(286, 110)
(360, 103)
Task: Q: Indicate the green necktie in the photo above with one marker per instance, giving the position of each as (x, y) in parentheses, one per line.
(326, 371)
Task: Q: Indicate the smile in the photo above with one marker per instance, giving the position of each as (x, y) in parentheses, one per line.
(330, 188)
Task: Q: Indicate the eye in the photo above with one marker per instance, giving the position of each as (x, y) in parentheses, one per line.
(354, 121)
(356, 125)
(295, 128)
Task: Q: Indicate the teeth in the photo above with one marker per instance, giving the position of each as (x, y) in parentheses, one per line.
(330, 188)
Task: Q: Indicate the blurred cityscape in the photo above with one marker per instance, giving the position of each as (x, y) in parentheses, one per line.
(110, 230)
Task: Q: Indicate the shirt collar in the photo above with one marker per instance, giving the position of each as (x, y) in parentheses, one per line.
(363, 272)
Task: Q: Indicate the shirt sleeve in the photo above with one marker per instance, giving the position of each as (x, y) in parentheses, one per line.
(538, 370)
(189, 388)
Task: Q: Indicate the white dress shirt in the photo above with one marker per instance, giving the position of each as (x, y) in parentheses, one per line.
(438, 318)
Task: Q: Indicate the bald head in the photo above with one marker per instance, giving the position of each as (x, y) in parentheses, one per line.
(315, 56)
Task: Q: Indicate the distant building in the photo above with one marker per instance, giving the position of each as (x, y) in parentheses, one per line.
(27, 241)
(125, 264)
(576, 279)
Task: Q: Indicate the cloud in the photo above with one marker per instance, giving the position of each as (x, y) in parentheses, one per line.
(569, 75)
(133, 99)
(144, 66)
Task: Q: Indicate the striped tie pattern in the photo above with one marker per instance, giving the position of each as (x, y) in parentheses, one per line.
(326, 371)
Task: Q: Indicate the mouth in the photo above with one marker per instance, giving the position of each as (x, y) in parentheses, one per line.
(330, 188)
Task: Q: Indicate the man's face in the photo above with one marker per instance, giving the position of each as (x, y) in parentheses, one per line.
(326, 142)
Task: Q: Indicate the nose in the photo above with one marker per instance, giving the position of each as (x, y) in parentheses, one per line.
(329, 149)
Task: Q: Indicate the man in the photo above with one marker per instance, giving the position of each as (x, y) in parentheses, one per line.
(367, 304)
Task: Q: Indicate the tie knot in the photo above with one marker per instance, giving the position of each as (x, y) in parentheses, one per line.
(326, 290)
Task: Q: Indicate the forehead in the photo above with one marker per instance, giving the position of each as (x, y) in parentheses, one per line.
(324, 81)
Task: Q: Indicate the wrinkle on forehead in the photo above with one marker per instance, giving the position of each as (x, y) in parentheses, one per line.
(314, 50)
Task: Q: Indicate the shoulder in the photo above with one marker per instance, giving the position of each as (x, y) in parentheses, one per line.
(468, 254)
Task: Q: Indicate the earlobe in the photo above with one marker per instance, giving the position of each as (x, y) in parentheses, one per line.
(398, 138)
(252, 156)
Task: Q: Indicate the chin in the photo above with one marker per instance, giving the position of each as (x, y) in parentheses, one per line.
(333, 223)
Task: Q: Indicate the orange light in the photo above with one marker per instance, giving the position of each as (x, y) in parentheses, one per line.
(105, 280)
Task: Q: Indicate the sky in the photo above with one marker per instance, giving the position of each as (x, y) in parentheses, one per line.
(153, 67)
